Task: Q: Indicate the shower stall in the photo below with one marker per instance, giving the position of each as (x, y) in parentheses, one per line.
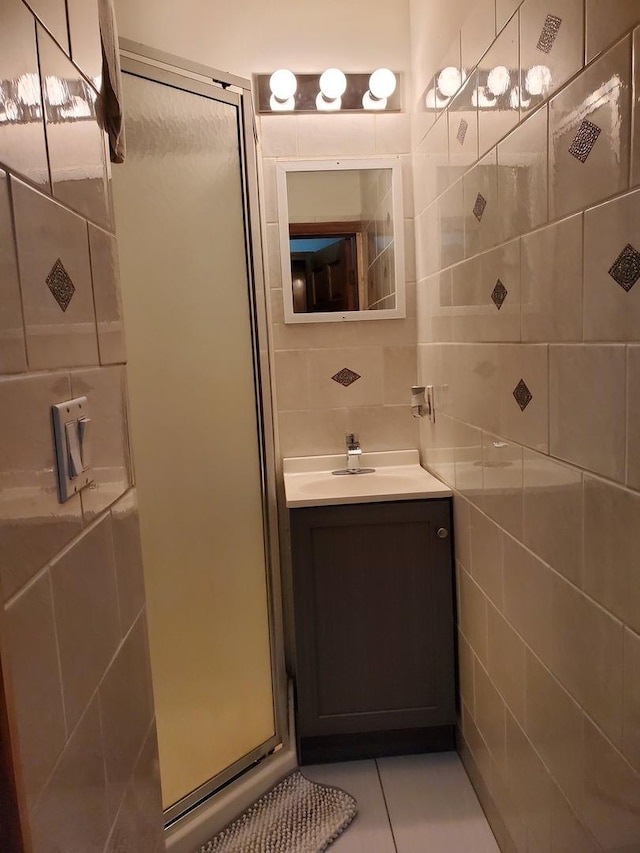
(186, 205)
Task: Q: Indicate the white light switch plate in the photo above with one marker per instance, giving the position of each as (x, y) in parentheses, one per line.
(66, 428)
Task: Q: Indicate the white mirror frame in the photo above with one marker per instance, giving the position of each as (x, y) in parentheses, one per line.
(392, 163)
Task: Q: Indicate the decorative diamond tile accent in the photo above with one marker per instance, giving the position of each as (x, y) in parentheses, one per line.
(479, 206)
(626, 267)
(522, 394)
(549, 33)
(463, 127)
(345, 377)
(60, 284)
(499, 294)
(584, 141)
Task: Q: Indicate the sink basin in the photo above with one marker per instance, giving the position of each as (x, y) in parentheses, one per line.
(398, 476)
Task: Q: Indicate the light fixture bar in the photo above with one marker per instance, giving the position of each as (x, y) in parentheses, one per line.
(321, 92)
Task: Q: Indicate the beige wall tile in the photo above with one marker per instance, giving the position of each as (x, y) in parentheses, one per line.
(528, 364)
(383, 427)
(512, 830)
(86, 608)
(601, 96)
(35, 676)
(528, 596)
(128, 556)
(490, 715)
(393, 133)
(400, 373)
(611, 302)
(495, 123)
(311, 432)
(22, 144)
(502, 482)
(504, 10)
(530, 783)
(137, 826)
(431, 165)
(84, 33)
(506, 663)
(463, 129)
(52, 13)
(587, 655)
(428, 246)
(473, 615)
(554, 726)
(438, 446)
(612, 794)
(33, 525)
(77, 154)
(126, 710)
(469, 301)
(481, 195)
(611, 548)
(467, 455)
(451, 225)
(606, 22)
(472, 376)
(550, 311)
(631, 701)
(325, 392)
(72, 812)
(501, 266)
(292, 379)
(465, 672)
(47, 233)
(522, 177)
(633, 415)
(279, 136)
(562, 50)
(635, 154)
(274, 266)
(567, 833)
(13, 357)
(486, 556)
(574, 373)
(343, 136)
(109, 444)
(553, 506)
(106, 292)
(478, 31)
(462, 530)
(476, 744)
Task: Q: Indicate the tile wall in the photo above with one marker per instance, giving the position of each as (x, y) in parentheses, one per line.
(527, 206)
(74, 629)
(314, 411)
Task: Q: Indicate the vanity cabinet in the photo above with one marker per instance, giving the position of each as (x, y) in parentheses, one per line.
(374, 628)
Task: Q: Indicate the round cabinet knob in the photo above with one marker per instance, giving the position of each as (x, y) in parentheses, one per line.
(442, 532)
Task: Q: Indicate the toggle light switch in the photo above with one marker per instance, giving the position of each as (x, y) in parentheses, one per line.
(71, 432)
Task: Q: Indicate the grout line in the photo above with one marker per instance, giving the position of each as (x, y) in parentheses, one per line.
(386, 806)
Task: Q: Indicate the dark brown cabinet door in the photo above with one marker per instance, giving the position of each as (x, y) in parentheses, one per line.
(373, 594)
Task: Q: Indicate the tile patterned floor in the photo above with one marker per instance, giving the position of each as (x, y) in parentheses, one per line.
(409, 804)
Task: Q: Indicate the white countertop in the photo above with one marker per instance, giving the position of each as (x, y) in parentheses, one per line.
(308, 480)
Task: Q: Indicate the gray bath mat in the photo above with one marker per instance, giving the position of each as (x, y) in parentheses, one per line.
(297, 816)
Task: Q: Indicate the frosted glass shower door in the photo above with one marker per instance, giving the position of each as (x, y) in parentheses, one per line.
(196, 441)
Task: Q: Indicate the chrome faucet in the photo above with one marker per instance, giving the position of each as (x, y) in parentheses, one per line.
(354, 452)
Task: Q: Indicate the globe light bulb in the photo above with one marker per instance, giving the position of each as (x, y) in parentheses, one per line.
(333, 83)
(371, 103)
(449, 80)
(324, 104)
(283, 84)
(279, 106)
(537, 80)
(499, 80)
(382, 83)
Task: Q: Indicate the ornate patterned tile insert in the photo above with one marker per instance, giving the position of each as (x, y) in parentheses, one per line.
(462, 131)
(585, 139)
(522, 395)
(479, 206)
(549, 33)
(625, 270)
(345, 377)
(60, 285)
(499, 294)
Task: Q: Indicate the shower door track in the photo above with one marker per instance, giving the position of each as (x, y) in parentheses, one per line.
(164, 68)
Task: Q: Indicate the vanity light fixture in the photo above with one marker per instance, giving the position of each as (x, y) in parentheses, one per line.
(499, 80)
(449, 80)
(331, 91)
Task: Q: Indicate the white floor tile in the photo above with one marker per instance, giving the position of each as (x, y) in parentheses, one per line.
(370, 831)
(433, 806)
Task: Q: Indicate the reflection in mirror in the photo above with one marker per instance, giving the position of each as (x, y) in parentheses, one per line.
(341, 240)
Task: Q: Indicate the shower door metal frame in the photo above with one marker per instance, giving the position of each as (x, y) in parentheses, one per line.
(176, 72)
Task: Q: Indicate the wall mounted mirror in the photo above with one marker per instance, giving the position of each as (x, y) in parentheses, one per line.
(341, 239)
